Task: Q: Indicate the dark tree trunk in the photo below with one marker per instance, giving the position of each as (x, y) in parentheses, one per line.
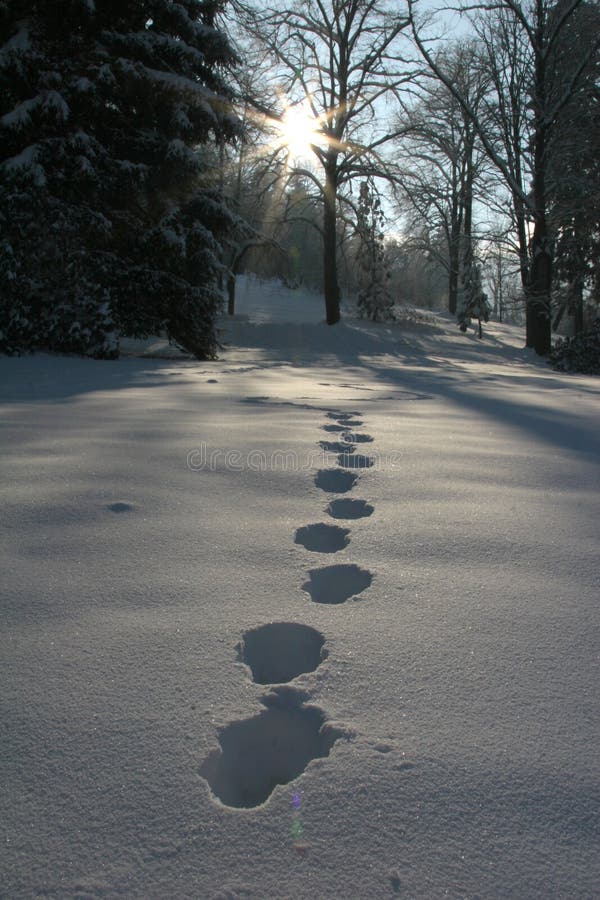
(539, 323)
(499, 298)
(454, 254)
(330, 274)
(577, 303)
(521, 227)
(529, 318)
(523, 245)
(231, 294)
(453, 283)
(468, 224)
(539, 326)
(466, 250)
(237, 267)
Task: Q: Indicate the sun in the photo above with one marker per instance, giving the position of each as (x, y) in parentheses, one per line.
(298, 131)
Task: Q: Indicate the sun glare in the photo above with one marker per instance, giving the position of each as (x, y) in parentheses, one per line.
(298, 131)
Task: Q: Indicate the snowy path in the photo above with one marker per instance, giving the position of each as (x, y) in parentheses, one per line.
(179, 536)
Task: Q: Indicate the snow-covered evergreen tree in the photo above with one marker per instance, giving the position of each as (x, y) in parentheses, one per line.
(375, 301)
(109, 219)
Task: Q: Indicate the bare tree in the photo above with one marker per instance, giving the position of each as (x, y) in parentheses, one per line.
(252, 184)
(506, 59)
(342, 59)
(440, 162)
(533, 30)
(501, 273)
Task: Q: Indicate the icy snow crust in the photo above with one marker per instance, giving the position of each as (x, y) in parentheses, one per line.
(439, 730)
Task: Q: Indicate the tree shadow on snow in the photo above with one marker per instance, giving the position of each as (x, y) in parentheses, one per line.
(418, 362)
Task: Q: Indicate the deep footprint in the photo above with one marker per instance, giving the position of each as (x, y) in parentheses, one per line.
(120, 506)
(336, 446)
(342, 417)
(334, 428)
(271, 748)
(356, 437)
(335, 481)
(349, 509)
(355, 461)
(280, 651)
(336, 584)
(322, 538)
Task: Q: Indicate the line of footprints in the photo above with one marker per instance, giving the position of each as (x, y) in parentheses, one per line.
(275, 746)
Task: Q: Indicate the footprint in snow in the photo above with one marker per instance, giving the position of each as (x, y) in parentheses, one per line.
(336, 584)
(349, 509)
(277, 652)
(342, 417)
(120, 506)
(355, 461)
(322, 538)
(334, 428)
(356, 437)
(335, 481)
(271, 748)
(336, 446)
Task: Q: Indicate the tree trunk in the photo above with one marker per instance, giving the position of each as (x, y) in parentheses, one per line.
(330, 274)
(237, 267)
(231, 294)
(466, 249)
(539, 324)
(454, 254)
(499, 288)
(523, 247)
(520, 214)
(577, 303)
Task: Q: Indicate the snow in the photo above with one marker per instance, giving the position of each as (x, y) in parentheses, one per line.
(56, 102)
(83, 84)
(26, 160)
(155, 43)
(181, 119)
(443, 637)
(170, 80)
(20, 116)
(18, 44)
(177, 151)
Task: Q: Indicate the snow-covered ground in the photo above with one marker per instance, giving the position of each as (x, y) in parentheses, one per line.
(436, 716)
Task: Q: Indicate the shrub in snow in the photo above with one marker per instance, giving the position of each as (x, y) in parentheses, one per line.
(580, 353)
(109, 220)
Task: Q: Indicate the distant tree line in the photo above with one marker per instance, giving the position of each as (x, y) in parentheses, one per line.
(144, 163)
(485, 148)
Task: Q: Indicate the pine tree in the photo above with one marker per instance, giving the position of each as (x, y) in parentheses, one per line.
(109, 220)
(374, 298)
